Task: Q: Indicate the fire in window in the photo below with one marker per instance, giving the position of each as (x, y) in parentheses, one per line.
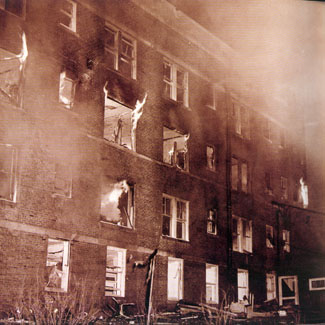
(120, 51)
(67, 89)
(115, 272)
(16, 7)
(270, 286)
(211, 157)
(242, 283)
(63, 180)
(175, 218)
(69, 15)
(8, 171)
(303, 193)
(241, 121)
(212, 292)
(117, 203)
(286, 240)
(269, 236)
(175, 83)
(57, 265)
(242, 240)
(212, 222)
(175, 148)
(175, 278)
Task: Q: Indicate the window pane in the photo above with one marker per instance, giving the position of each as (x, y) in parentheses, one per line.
(234, 174)
(110, 38)
(167, 71)
(210, 152)
(174, 279)
(179, 230)
(166, 226)
(15, 6)
(244, 182)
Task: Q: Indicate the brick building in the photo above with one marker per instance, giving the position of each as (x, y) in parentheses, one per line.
(120, 135)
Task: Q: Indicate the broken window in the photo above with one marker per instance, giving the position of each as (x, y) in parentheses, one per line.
(284, 187)
(269, 236)
(241, 121)
(115, 272)
(211, 280)
(117, 203)
(242, 240)
(63, 180)
(175, 218)
(175, 148)
(8, 171)
(175, 83)
(317, 284)
(16, 7)
(175, 278)
(268, 185)
(239, 175)
(270, 286)
(211, 157)
(212, 222)
(57, 265)
(242, 283)
(68, 16)
(67, 89)
(286, 240)
(288, 289)
(120, 51)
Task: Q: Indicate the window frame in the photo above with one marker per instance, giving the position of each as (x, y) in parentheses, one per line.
(296, 290)
(211, 162)
(173, 217)
(286, 240)
(310, 281)
(243, 288)
(180, 291)
(172, 82)
(244, 238)
(120, 276)
(13, 173)
(269, 230)
(284, 182)
(4, 8)
(237, 179)
(214, 285)
(213, 95)
(212, 221)
(65, 266)
(271, 292)
(241, 118)
(117, 53)
(72, 16)
(64, 79)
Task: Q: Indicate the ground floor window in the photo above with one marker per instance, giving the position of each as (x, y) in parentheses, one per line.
(242, 283)
(175, 278)
(211, 276)
(288, 289)
(270, 286)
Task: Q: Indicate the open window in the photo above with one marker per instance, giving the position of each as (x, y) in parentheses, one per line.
(175, 279)
(270, 286)
(68, 15)
(242, 240)
(286, 240)
(8, 172)
(242, 284)
(269, 234)
(16, 7)
(117, 202)
(175, 218)
(288, 289)
(212, 285)
(211, 157)
(57, 265)
(212, 222)
(63, 180)
(115, 272)
(67, 88)
(175, 148)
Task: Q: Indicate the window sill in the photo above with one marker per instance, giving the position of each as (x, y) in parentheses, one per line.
(212, 234)
(114, 224)
(23, 16)
(48, 289)
(69, 30)
(176, 239)
(244, 252)
(214, 108)
(127, 78)
(175, 167)
(175, 103)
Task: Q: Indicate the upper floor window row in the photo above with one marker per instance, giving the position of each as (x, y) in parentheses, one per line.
(16, 7)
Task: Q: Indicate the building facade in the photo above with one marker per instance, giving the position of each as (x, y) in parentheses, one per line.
(120, 136)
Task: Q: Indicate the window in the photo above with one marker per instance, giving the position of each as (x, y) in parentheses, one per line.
(269, 236)
(212, 222)
(117, 202)
(115, 272)
(57, 265)
(67, 89)
(267, 131)
(211, 280)
(284, 188)
(282, 138)
(68, 16)
(288, 289)
(212, 97)
(211, 157)
(175, 148)
(63, 181)
(8, 172)
(175, 218)
(239, 175)
(317, 284)
(242, 282)
(241, 121)
(286, 240)
(270, 286)
(175, 279)
(303, 193)
(175, 83)
(242, 235)
(120, 52)
(16, 7)
(268, 184)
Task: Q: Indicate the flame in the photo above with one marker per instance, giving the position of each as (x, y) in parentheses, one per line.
(304, 193)
(135, 116)
(24, 51)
